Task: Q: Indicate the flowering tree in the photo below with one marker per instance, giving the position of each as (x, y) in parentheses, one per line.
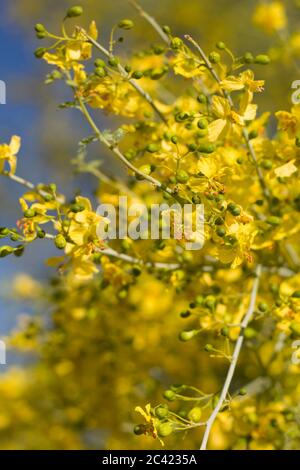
(222, 319)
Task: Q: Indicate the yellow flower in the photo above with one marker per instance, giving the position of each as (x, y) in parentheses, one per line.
(270, 17)
(228, 119)
(74, 50)
(186, 66)
(244, 80)
(150, 427)
(8, 154)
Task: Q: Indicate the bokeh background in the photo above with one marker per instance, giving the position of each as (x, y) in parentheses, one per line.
(50, 136)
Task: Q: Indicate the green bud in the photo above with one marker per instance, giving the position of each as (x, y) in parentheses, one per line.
(164, 429)
(192, 147)
(136, 271)
(297, 141)
(152, 148)
(41, 233)
(14, 237)
(137, 74)
(166, 29)
(169, 395)
(295, 327)
(182, 176)
(74, 11)
(60, 241)
(99, 63)
(176, 43)
(248, 58)
(263, 307)
(113, 61)
(199, 299)
(210, 302)
(202, 123)
(29, 213)
(157, 73)
(100, 72)
(221, 45)
(77, 208)
(187, 335)
(41, 35)
(161, 411)
(56, 75)
(273, 220)
(174, 139)
(296, 294)
(208, 348)
(253, 135)
(221, 232)
(195, 414)
(262, 59)
(181, 117)
(39, 52)
(128, 68)
(250, 333)
(184, 314)
(126, 24)
(225, 331)
(206, 148)
(214, 57)
(202, 98)
(5, 251)
(242, 392)
(18, 252)
(234, 209)
(196, 199)
(4, 231)
(266, 164)
(39, 28)
(52, 187)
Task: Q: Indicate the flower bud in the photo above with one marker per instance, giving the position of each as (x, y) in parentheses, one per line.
(253, 135)
(74, 11)
(100, 72)
(250, 333)
(39, 52)
(221, 45)
(195, 414)
(263, 307)
(242, 392)
(225, 331)
(137, 74)
(166, 29)
(161, 411)
(208, 348)
(248, 58)
(187, 335)
(202, 123)
(113, 61)
(126, 24)
(77, 208)
(60, 242)
(262, 59)
(169, 395)
(99, 63)
(157, 73)
(164, 429)
(18, 252)
(4, 231)
(176, 43)
(273, 220)
(295, 327)
(5, 251)
(214, 57)
(206, 148)
(39, 28)
(139, 429)
(234, 209)
(152, 148)
(29, 213)
(174, 139)
(182, 176)
(184, 314)
(202, 98)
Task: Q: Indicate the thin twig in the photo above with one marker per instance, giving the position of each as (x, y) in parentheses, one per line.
(244, 131)
(130, 259)
(234, 360)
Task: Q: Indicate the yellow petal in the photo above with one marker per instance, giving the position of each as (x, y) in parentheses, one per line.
(215, 129)
(285, 170)
(93, 31)
(15, 144)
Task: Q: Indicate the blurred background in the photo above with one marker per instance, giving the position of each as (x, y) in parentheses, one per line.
(50, 136)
